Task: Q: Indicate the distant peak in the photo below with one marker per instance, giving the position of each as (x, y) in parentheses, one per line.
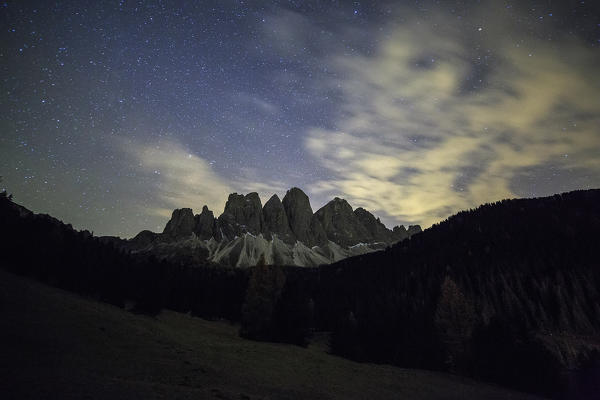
(181, 222)
(295, 191)
(273, 199)
(182, 211)
(338, 202)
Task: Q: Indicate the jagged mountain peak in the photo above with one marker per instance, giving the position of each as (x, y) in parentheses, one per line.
(334, 231)
(273, 198)
(339, 203)
(242, 214)
(413, 229)
(205, 224)
(300, 216)
(340, 223)
(276, 221)
(295, 191)
(252, 196)
(375, 228)
(181, 223)
(339, 200)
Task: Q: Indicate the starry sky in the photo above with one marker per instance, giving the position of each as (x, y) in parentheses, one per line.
(113, 113)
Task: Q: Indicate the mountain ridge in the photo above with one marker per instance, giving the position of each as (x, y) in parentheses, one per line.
(284, 231)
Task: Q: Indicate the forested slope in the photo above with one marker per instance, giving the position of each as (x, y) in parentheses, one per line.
(509, 291)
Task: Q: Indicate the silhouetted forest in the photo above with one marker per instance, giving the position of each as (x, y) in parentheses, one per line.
(508, 292)
(42, 247)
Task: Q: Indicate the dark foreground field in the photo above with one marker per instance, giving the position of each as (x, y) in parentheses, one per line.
(54, 344)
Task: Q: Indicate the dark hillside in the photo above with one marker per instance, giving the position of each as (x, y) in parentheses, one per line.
(508, 292)
(44, 248)
(58, 345)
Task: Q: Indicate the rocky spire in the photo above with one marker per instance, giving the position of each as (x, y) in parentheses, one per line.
(181, 223)
(399, 233)
(242, 214)
(276, 222)
(303, 224)
(376, 230)
(414, 229)
(291, 219)
(341, 224)
(205, 224)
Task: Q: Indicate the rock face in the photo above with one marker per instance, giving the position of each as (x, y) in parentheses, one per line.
(414, 229)
(376, 230)
(243, 214)
(181, 223)
(284, 232)
(205, 224)
(341, 224)
(276, 221)
(305, 227)
(399, 233)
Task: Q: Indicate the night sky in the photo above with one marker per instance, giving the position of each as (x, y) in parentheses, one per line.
(113, 113)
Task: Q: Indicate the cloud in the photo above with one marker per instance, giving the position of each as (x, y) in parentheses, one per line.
(175, 177)
(253, 180)
(255, 102)
(179, 178)
(417, 141)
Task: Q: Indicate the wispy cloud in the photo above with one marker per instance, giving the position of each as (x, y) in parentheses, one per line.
(417, 141)
(179, 177)
(256, 102)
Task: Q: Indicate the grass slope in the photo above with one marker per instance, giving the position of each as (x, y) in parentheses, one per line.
(54, 344)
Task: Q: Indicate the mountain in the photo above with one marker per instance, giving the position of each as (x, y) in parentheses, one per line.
(276, 221)
(284, 232)
(301, 218)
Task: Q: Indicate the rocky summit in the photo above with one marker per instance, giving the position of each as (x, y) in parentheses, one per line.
(276, 222)
(284, 232)
(301, 218)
